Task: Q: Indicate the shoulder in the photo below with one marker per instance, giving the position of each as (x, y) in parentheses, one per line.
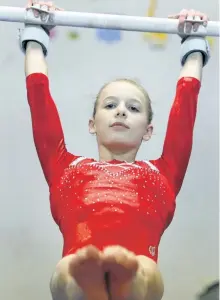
(76, 160)
(150, 164)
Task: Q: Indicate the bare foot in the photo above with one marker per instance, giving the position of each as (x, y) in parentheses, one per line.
(86, 269)
(122, 266)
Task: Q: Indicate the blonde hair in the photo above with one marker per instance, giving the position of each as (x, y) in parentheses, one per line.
(135, 83)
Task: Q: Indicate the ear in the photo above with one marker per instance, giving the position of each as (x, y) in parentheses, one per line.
(148, 133)
(92, 128)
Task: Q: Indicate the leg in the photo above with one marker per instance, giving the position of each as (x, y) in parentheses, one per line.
(79, 277)
(148, 282)
(132, 277)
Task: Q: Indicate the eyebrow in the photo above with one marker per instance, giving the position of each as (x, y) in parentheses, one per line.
(116, 99)
(110, 98)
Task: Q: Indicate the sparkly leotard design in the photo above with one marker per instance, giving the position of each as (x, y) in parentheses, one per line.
(112, 203)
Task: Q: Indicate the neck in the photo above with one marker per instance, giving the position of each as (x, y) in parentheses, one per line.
(107, 155)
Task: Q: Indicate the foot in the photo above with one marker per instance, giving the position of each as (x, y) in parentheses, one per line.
(122, 266)
(86, 269)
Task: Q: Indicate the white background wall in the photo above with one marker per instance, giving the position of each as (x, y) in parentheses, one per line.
(30, 241)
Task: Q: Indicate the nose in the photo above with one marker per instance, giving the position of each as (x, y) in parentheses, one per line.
(121, 112)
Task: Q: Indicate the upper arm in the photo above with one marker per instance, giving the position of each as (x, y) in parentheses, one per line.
(179, 135)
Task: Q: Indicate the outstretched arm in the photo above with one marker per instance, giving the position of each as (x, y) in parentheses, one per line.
(178, 142)
(47, 129)
(179, 136)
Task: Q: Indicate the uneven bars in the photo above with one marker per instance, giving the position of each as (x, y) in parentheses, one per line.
(107, 21)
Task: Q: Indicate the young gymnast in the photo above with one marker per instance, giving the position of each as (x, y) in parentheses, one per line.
(113, 212)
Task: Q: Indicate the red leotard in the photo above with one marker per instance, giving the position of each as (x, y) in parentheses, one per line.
(112, 203)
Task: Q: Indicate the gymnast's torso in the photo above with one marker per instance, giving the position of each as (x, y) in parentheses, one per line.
(107, 203)
(119, 203)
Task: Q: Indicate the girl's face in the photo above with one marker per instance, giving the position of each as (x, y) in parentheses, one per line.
(121, 120)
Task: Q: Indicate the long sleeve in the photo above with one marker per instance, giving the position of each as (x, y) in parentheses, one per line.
(178, 142)
(47, 130)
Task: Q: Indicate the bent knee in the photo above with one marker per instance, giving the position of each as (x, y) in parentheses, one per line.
(148, 264)
(153, 276)
(61, 277)
(63, 285)
(64, 263)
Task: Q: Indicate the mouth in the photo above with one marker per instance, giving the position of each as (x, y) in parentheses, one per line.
(119, 124)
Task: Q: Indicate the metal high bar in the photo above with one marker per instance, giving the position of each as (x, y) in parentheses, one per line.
(107, 21)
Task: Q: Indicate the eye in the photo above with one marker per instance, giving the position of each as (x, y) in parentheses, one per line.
(134, 109)
(110, 105)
